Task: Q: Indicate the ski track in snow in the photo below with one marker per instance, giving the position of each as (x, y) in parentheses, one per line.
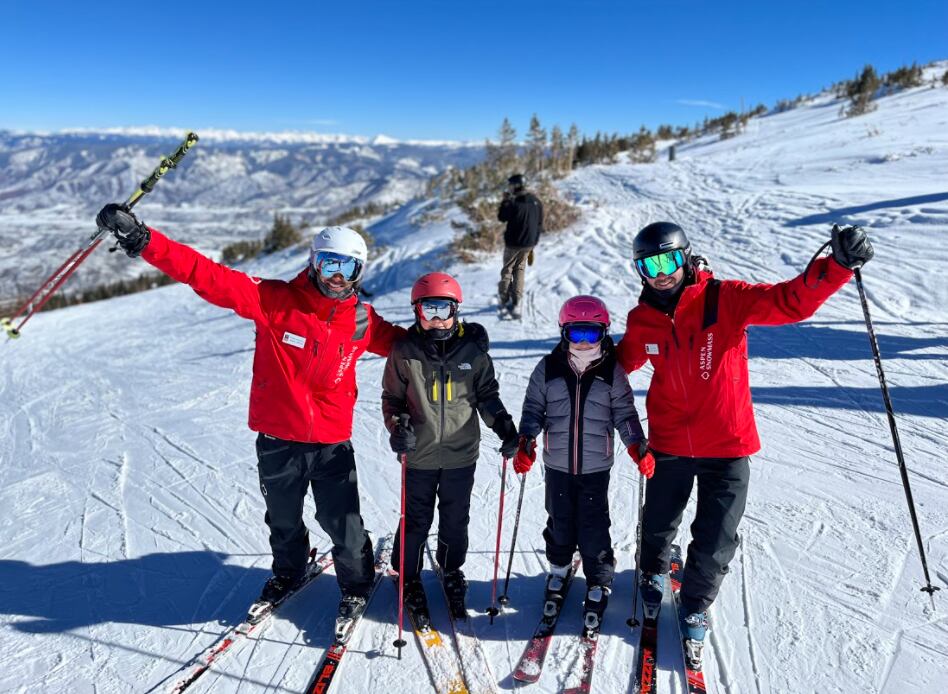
(132, 526)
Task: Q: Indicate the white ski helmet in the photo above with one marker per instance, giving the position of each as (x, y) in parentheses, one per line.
(341, 240)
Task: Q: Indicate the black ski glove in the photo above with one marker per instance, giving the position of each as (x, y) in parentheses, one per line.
(402, 439)
(851, 247)
(506, 430)
(131, 234)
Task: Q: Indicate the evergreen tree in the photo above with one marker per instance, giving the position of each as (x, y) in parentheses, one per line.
(282, 235)
(536, 146)
(507, 149)
(862, 90)
(558, 152)
(572, 142)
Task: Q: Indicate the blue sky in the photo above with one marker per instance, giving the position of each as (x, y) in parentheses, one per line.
(450, 69)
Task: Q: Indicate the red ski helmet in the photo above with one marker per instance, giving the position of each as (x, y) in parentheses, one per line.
(436, 284)
(584, 309)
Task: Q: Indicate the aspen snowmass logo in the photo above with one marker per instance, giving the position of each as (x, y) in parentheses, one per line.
(344, 365)
(706, 357)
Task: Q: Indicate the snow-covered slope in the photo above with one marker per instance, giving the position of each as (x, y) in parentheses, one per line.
(51, 186)
(132, 526)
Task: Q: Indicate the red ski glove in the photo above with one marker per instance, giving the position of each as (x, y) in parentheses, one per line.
(526, 455)
(643, 457)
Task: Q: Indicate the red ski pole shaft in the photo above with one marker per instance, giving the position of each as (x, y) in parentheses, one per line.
(44, 299)
(500, 526)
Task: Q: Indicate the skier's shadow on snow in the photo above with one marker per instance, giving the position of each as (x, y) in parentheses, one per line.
(162, 589)
(841, 214)
(806, 340)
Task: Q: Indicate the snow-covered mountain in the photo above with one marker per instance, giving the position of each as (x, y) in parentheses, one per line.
(230, 185)
(132, 524)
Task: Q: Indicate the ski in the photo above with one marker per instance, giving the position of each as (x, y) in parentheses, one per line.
(587, 656)
(645, 664)
(531, 662)
(329, 666)
(202, 663)
(693, 676)
(474, 665)
(588, 642)
(438, 656)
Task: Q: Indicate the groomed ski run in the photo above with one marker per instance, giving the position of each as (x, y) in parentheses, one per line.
(129, 497)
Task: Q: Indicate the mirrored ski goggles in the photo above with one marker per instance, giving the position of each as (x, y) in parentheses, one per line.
(328, 264)
(429, 309)
(661, 264)
(584, 332)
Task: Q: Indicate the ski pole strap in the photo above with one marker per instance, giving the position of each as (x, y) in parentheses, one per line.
(166, 164)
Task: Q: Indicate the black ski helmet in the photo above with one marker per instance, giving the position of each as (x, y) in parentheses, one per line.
(517, 181)
(659, 237)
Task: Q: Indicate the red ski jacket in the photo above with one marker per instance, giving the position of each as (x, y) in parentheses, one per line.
(699, 400)
(304, 384)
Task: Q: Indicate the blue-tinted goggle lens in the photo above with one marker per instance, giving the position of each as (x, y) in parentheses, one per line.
(329, 264)
(584, 332)
(661, 264)
(429, 309)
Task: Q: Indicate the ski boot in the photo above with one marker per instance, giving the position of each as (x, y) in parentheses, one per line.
(597, 597)
(416, 602)
(553, 595)
(651, 588)
(351, 608)
(455, 588)
(516, 312)
(694, 627)
(275, 591)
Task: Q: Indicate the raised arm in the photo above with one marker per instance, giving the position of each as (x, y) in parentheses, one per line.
(785, 302)
(213, 282)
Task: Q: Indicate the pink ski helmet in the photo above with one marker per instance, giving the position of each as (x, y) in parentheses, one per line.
(584, 309)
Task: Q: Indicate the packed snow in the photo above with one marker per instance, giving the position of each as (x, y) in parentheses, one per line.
(132, 524)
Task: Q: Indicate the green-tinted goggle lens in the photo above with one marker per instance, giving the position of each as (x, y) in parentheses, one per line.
(661, 264)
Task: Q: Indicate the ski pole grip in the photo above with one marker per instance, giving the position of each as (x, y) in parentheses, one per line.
(166, 164)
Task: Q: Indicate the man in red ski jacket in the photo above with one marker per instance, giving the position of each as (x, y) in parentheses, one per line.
(692, 328)
(309, 333)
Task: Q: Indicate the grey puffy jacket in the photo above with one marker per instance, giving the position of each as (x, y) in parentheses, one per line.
(577, 415)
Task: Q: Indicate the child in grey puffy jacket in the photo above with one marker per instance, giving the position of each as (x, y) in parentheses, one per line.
(577, 397)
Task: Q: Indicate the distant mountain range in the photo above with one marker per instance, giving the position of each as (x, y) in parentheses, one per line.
(229, 187)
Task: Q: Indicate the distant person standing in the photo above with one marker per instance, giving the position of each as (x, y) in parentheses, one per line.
(523, 213)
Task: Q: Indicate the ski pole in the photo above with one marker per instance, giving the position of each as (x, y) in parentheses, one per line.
(52, 283)
(903, 470)
(504, 599)
(400, 642)
(492, 610)
(633, 621)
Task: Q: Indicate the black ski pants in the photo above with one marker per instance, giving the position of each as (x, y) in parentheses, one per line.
(287, 470)
(452, 489)
(577, 509)
(722, 493)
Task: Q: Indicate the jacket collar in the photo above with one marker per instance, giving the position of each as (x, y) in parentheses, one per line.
(694, 287)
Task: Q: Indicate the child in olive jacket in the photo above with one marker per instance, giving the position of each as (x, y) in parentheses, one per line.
(441, 376)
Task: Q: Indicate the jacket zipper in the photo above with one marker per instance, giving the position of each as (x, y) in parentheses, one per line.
(576, 409)
(309, 373)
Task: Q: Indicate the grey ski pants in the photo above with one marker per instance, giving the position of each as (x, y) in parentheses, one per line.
(510, 287)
